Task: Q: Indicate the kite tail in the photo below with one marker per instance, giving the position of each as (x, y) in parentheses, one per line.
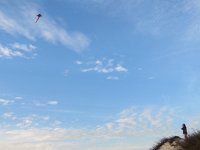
(37, 20)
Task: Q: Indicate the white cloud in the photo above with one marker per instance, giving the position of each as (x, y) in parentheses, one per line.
(24, 47)
(9, 115)
(52, 102)
(104, 66)
(131, 123)
(46, 28)
(120, 68)
(18, 97)
(11, 26)
(79, 62)
(129, 130)
(48, 103)
(9, 53)
(98, 69)
(5, 102)
(135, 122)
(26, 122)
(98, 62)
(57, 123)
(31, 121)
(11, 145)
(112, 78)
(17, 50)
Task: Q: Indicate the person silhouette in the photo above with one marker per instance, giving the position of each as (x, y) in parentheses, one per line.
(184, 128)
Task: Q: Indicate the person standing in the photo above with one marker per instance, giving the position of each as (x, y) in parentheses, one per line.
(184, 128)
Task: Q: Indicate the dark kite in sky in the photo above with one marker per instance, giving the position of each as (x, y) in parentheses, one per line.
(38, 17)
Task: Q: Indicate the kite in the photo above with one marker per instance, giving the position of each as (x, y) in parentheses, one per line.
(38, 17)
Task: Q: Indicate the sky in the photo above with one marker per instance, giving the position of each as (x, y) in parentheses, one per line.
(97, 74)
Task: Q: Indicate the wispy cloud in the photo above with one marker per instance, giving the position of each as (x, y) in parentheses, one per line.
(104, 66)
(14, 120)
(48, 103)
(129, 122)
(32, 121)
(120, 68)
(25, 123)
(9, 53)
(46, 29)
(11, 26)
(5, 102)
(24, 47)
(17, 50)
(153, 17)
(78, 62)
(145, 122)
(9, 115)
(18, 97)
(52, 102)
(112, 78)
(192, 9)
(127, 127)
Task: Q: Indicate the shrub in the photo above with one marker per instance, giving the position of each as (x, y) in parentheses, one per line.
(164, 140)
(192, 142)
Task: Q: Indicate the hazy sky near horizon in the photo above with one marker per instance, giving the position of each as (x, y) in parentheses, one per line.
(97, 74)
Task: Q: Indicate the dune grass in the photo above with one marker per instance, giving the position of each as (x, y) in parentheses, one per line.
(163, 141)
(192, 142)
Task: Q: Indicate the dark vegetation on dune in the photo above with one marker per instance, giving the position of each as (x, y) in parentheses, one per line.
(164, 140)
(191, 143)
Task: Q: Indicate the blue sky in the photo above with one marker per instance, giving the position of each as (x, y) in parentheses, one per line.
(97, 74)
